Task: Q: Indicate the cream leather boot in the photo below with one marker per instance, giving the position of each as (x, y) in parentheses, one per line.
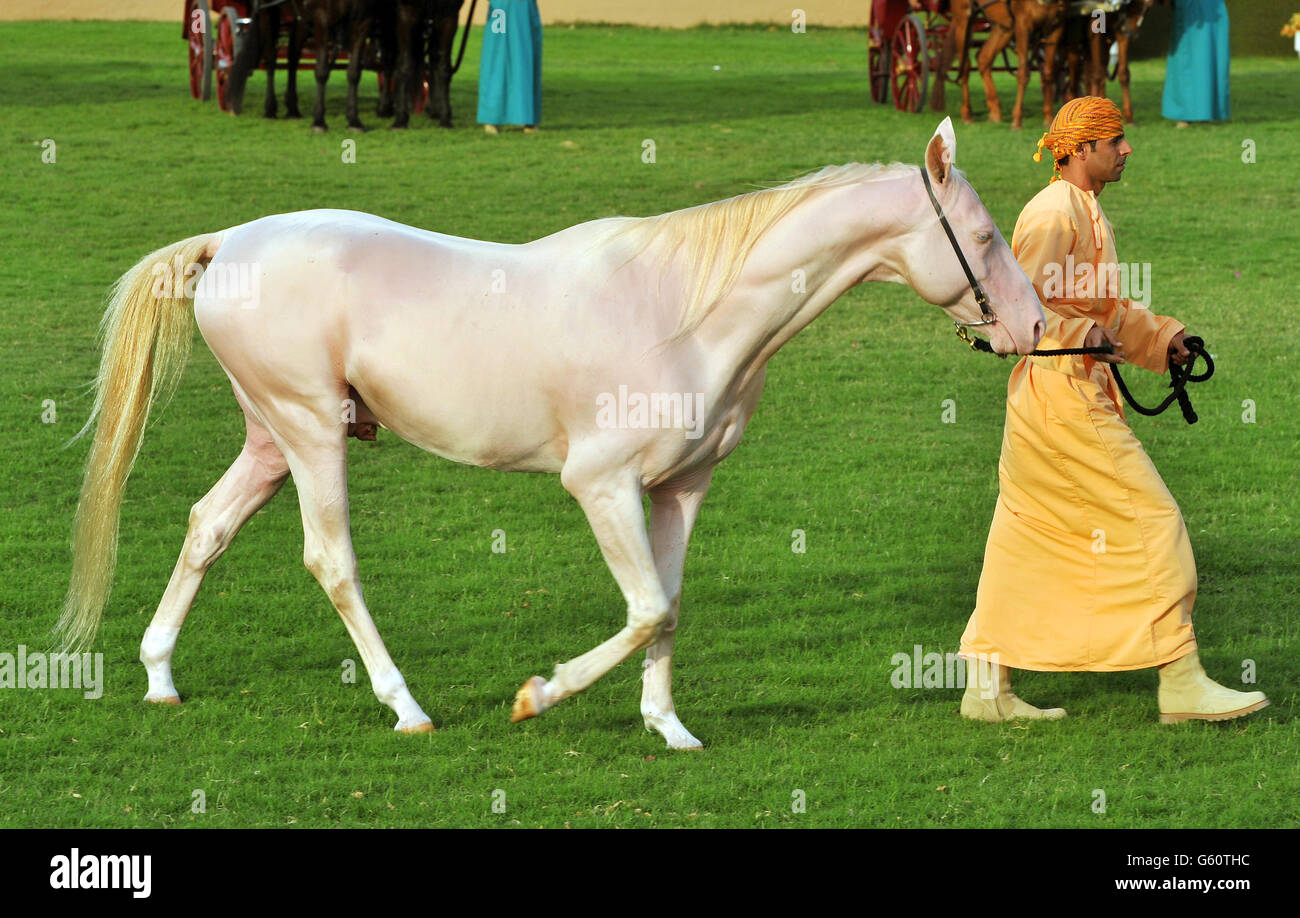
(1187, 693)
(988, 696)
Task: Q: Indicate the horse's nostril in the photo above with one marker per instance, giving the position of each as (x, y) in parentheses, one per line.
(1039, 328)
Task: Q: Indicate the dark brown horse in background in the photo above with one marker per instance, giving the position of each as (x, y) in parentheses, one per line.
(1091, 29)
(1036, 25)
(426, 32)
(328, 25)
(407, 33)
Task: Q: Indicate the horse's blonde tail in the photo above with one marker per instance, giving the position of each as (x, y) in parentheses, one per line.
(146, 331)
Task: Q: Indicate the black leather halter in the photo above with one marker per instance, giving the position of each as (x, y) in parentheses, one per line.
(990, 317)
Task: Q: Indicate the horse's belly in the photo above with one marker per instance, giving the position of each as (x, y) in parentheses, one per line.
(462, 405)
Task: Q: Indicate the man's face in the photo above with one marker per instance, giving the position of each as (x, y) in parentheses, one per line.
(1106, 163)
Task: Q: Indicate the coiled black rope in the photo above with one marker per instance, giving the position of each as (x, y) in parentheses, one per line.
(1179, 376)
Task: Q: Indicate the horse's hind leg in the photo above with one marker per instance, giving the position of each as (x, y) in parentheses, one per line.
(247, 485)
(318, 462)
(672, 517)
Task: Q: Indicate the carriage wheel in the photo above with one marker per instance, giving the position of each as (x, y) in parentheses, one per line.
(225, 54)
(910, 64)
(198, 30)
(878, 66)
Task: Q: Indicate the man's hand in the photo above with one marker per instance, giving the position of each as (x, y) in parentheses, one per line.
(1178, 352)
(1099, 334)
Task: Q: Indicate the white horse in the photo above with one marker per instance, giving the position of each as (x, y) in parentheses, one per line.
(625, 354)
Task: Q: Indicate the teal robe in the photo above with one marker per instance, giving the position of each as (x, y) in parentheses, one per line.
(1196, 73)
(510, 73)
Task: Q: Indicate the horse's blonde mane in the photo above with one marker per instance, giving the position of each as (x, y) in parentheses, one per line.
(717, 238)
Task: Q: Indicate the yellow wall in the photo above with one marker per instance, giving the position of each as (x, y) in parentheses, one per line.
(670, 13)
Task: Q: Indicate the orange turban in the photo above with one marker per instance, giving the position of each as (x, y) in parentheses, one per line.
(1079, 121)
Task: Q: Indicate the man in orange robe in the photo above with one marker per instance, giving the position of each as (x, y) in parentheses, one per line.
(1088, 565)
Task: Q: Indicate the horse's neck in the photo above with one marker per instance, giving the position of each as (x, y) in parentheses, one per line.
(841, 236)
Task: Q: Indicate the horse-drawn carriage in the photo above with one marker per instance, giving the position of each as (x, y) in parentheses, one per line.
(906, 47)
(228, 39)
(912, 42)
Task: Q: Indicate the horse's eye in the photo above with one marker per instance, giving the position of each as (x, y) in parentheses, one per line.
(983, 236)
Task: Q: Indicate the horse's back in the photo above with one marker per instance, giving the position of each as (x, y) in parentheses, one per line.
(457, 345)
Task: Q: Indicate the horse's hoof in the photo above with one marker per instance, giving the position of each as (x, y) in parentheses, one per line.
(1015, 127)
(293, 113)
(318, 129)
(422, 727)
(163, 699)
(528, 700)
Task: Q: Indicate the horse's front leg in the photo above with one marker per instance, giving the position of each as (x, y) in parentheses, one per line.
(1123, 75)
(998, 39)
(321, 34)
(296, 38)
(440, 53)
(1023, 29)
(673, 509)
(270, 48)
(611, 499)
(1051, 47)
(1098, 57)
(356, 46)
(409, 52)
(960, 40)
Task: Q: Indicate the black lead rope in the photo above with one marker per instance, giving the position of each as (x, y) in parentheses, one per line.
(1179, 376)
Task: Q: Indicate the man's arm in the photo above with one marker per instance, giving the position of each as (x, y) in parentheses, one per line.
(1152, 340)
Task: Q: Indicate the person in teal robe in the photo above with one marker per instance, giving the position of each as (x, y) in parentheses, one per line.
(510, 73)
(1196, 73)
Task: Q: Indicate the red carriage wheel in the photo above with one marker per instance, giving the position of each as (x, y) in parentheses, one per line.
(911, 64)
(198, 32)
(878, 66)
(224, 56)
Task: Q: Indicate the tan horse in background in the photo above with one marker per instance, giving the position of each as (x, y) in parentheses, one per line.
(1036, 25)
(507, 357)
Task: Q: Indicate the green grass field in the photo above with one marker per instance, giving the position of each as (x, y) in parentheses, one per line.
(784, 659)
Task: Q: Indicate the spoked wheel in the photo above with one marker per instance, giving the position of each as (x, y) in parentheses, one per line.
(224, 56)
(198, 30)
(910, 64)
(878, 66)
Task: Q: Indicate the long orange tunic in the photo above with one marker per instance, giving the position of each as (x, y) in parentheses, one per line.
(1088, 565)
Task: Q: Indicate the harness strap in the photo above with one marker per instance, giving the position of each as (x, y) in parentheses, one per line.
(464, 38)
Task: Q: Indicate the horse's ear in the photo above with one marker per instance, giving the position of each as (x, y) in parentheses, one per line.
(942, 152)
